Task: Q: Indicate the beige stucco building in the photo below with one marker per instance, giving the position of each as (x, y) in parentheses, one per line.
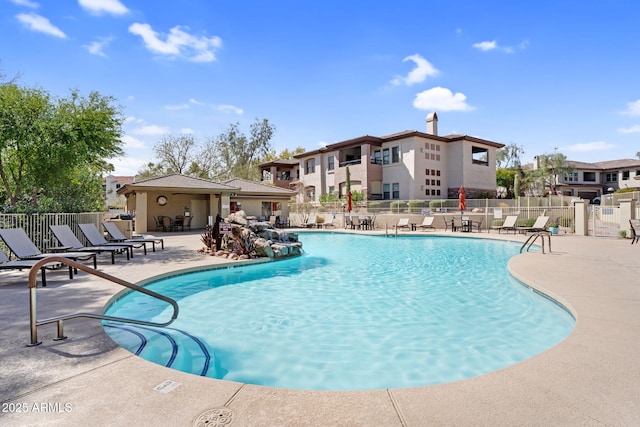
(408, 165)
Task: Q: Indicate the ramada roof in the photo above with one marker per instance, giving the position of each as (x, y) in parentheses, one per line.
(253, 187)
(178, 182)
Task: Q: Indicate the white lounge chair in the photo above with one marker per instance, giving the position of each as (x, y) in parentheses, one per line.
(402, 223)
(539, 225)
(509, 224)
(427, 223)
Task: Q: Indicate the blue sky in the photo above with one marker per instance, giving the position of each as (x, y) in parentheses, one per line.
(543, 75)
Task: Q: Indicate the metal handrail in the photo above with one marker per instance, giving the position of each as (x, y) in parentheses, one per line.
(33, 273)
(533, 237)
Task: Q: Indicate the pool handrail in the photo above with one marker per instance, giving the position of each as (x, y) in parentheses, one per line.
(33, 273)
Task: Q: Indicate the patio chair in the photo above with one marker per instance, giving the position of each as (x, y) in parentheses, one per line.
(509, 224)
(402, 223)
(158, 221)
(68, 240)
(117, 236)
(478, 224)
(96, 238)
(539, 225)
(310, 222)
(22, 247)
(6, 264)
(635, 230)
(186, 222)
(168, 224)
(427, 223)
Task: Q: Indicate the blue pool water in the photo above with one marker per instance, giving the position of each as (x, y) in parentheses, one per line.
(354, 313)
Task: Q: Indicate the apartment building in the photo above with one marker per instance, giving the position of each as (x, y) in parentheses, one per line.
(589, 180)
(408, 165)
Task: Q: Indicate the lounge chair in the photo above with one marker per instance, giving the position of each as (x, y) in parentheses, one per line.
(96, 238)
(21, 245)
(402, 223)
(539, 225)
(427, 223)
(635, 230)
(26, 264)
(310, 222)
(117, 236)
(69, 240)
(509, 224)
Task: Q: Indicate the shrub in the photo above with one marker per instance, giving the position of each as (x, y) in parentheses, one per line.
(396, 205)
(525, 222)
(565, 221)
(445, 203)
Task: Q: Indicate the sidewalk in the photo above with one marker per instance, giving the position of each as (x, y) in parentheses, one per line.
(591, 378)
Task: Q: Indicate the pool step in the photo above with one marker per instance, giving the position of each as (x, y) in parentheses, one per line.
(169, 347)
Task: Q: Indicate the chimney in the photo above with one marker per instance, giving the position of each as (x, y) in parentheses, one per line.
(432, 124)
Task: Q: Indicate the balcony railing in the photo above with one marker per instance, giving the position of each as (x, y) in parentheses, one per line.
(350, 162)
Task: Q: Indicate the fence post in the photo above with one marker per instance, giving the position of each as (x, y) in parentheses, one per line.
(627, 212)
(581, 218)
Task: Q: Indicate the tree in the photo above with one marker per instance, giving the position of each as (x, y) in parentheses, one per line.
(151, 170)
(505, 178)
(46, 141)
(509, 156)
(233, 155)
(175, 152)
(550, 166)
(285, 154)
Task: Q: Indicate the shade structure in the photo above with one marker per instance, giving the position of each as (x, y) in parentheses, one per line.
(349, 202)
(462, 206)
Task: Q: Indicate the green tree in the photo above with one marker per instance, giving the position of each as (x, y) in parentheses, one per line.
(151, 170)
(233, 155)
(505, 178)
(550, 167)
(46, 141)
(509, 156)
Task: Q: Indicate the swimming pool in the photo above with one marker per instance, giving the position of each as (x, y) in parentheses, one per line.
(354, 313)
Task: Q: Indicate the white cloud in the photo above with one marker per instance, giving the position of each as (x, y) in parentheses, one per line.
(132, 142)
(422, 70)
(195, 101)
(128, 166)
(151, 130)
(40, 24)
(590, 146)
(230, 109)
(177, 107)
(26, 3)
(99, 7)
(441, 99)
(96, 47)
(632, 129)
(178, 44)
(633, 108)
(486, 46)
(186, 131)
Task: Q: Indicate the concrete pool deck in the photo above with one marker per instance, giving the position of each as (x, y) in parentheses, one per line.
(590, 378)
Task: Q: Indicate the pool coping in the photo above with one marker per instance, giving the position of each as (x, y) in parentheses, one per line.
(589, 378)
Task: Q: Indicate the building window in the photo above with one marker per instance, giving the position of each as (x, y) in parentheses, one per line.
(310, 166)
(433, 192)
(426, 172)
(377, 158)
(437, 147)
(330, 165)
(437, 192)
(571, 177)
(589, 176)
(433, 182)
(438, 182)
(611, 177)
(331, 189)
(395, 154)
(386, 194)
(385, 156)
(625, 174)
(480, 156)
(395, 188)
